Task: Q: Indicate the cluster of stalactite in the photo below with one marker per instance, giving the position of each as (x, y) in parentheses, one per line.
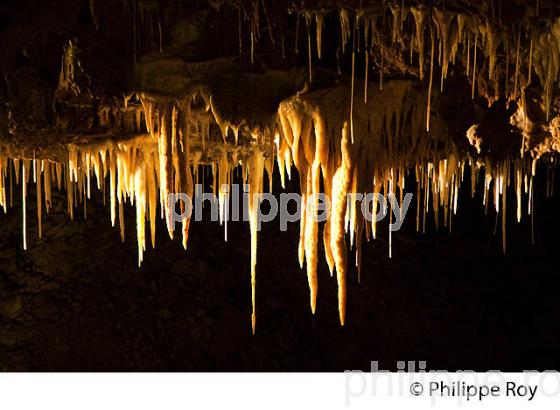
(359, 136)
(509, 52)
(370, 151)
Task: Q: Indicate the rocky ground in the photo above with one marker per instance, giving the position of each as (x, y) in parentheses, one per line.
(77, 301)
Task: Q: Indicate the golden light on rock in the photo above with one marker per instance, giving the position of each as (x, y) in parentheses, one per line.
(352, 136)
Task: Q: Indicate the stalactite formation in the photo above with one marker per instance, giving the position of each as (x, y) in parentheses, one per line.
(181, 117)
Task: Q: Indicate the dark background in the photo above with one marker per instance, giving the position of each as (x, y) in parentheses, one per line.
(76, 300)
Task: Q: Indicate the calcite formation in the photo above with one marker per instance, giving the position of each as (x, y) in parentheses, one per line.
(357, 96)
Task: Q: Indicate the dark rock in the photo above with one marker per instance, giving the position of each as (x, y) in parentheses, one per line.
(11, 306)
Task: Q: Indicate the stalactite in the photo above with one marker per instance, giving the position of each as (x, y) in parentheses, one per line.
(309, 58)
(428, 109)
(419, 17)
(344, 16)
(505, 183)
(468, 54)
(319, 30)
(268, 20)
(340, 187)
(443, 21)
(382, 45)
(506, 81)
(253, 44)
(530, 69)
(39, 200)
(353, 81)
(515, 89)
(24, 201)
(256, 166)
(493, 41)
(474, 64)
(93, 14)
(240, 30)
(366, 72)
(391, 192)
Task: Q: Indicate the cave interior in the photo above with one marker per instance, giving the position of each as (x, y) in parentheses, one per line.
(109, 106)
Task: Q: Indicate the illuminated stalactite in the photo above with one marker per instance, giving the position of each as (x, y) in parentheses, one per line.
(334, 140)
(312, 132)
(132, 168)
